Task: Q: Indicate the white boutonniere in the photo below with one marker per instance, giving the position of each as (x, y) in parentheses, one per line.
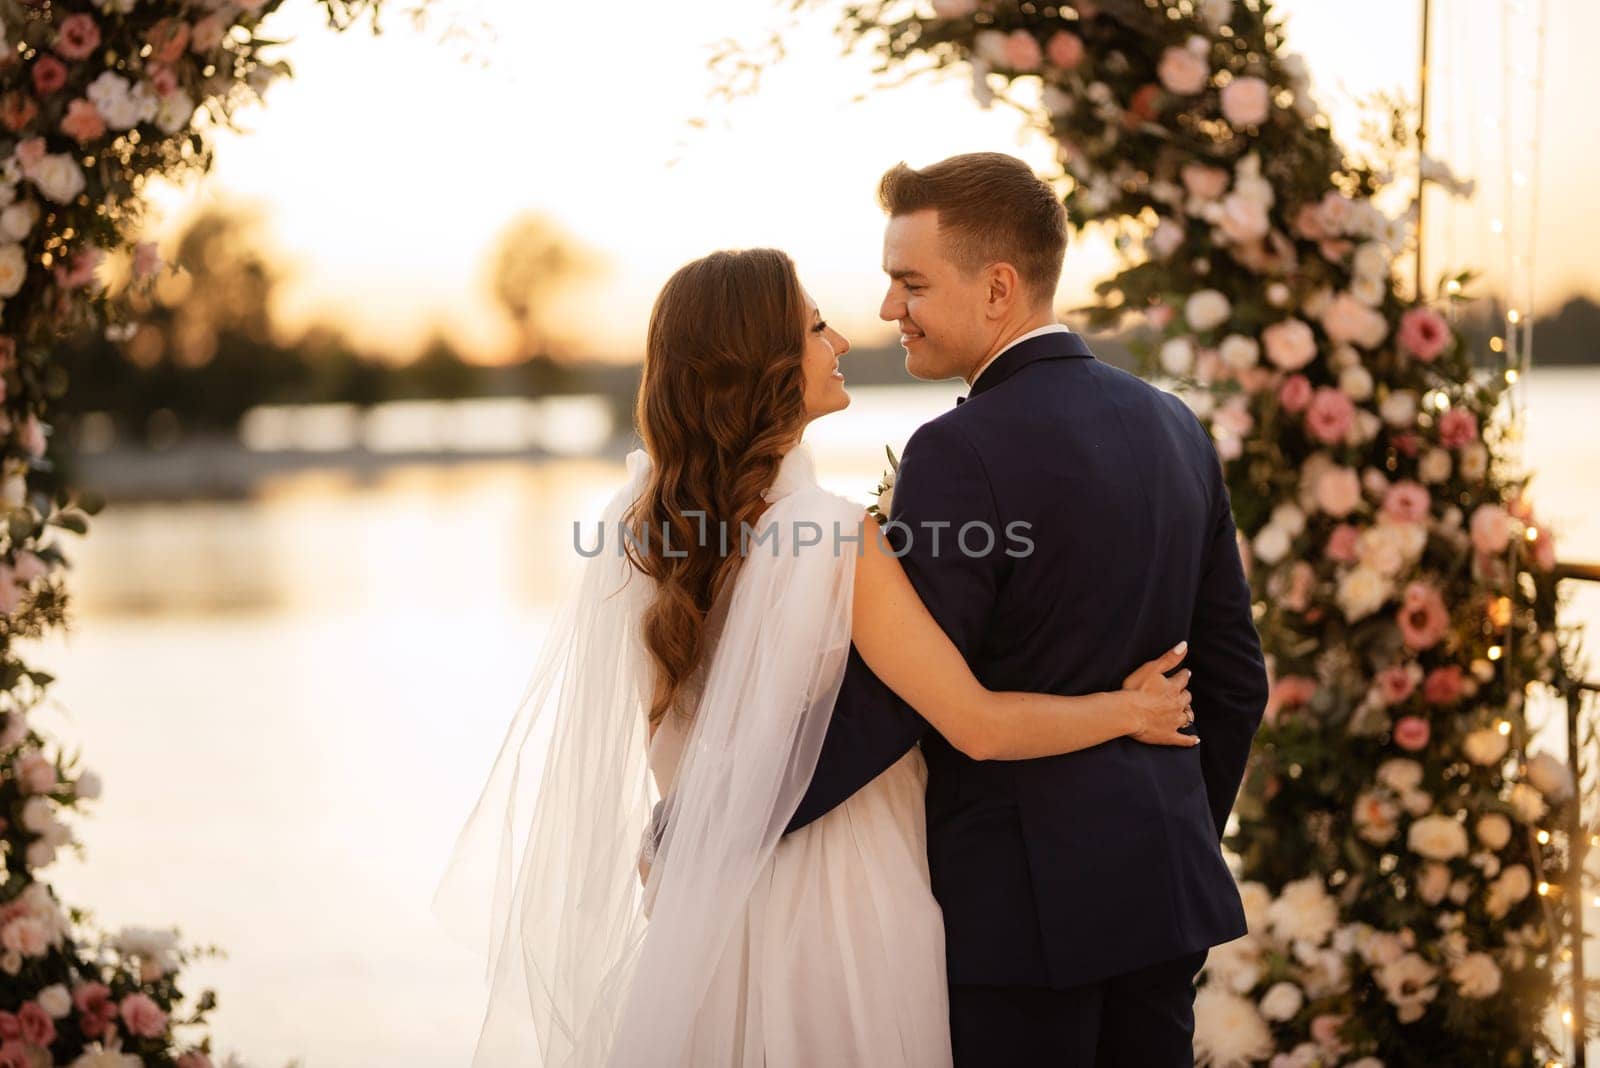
(883, 492)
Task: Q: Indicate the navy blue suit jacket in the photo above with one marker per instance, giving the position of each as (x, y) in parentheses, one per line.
(1068, 869)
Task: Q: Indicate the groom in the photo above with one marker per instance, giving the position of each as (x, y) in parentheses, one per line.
(1080, 892)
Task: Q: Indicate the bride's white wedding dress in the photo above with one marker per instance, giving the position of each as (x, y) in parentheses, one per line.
(745, 947)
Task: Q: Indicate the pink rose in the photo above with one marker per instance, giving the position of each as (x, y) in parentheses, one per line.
(207, 33)
(1325, 1032)
(29, 153)
(49, 74)
(1544, 550)
(95, 1008)
(1182, 72)
(194, 1059)
(1065, 50)
(1348, 319)
(1407, 502)
(1411, 733)
(1424, 333)
(82, 122)
(1290, 344)
(1246, 102)
(17, 109)
(1244, 219)
(32, 437)
(10, 1026)
(1491, 529)
(163, 81)
(1444, 685)
(1423, 617)
(1330, 415)
(1203, 182)
(143, 1016)
(1396, 683)
(1291, 691)
(79, 269)
(37, 1027)
(1338, 493)
(29, 566)
(14, 1053)
(1308, 223)
(146, 259)
(35, 774)
(1457, 427)
(1294, 394)
(169, 38)
(1341, 547)
(1022, 51)
(78, 37)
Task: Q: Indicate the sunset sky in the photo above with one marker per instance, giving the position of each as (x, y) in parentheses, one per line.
(387, 165)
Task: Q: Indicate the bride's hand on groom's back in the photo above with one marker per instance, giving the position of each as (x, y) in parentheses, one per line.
(1160, 705)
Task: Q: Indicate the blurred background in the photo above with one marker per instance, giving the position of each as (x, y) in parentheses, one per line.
(345, 455)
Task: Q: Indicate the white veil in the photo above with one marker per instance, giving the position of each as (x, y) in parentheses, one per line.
(579, 976)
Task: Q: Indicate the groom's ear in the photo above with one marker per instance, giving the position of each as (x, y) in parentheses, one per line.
(1005, 287)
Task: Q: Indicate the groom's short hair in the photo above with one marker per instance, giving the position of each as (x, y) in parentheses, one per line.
(991, 208)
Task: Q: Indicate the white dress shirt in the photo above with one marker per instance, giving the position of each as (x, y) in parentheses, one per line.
(1053, 328)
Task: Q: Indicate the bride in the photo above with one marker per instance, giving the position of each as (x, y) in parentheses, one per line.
(696, 665)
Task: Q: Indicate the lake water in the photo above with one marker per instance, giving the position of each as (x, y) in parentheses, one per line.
(293, 702)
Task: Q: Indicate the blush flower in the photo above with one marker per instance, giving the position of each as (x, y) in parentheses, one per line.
(1424, 334)
(1423, 617)
(1329, 416)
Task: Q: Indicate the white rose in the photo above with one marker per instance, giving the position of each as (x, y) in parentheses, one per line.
(1417, 802)
(1376, 818)
(1369, 291)
(1290, 518)
(1304, 912)
(1290, 344)
(1165, 239)
(1494, 831)
(1239, 352)
(1271, 544)
(174, 111)
(88, 785)
(1356, 383)
(59, 177)
(1409, 985)
(1177, 356)
(1514, 884)
(1235, 965)
(1400, 774)
(1435, 466)
(1371, 261)
(40, 853)
(1257, 899)
(1217, 13)
(1244, 219)
(106, 1058)
(37, 814)
(1207, 309)
(1474, 461)
(1437, 838)
(1399, 409)
(1550, 776)
(18, 220)
(13, 269)
(1528, 803)
(1228, 1029)
(1476, 975)
(1362, 591)
(56, 1000)
(1485, 746)
(1281, 1002)
(1433, 882)
(1278, 294)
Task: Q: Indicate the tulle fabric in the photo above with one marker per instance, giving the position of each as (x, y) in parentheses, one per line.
(753, 950)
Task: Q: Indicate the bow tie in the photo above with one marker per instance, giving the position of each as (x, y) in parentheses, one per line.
(961, 400)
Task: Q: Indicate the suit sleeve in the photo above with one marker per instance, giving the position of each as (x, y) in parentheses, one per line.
(1230, 676)
(941, 486)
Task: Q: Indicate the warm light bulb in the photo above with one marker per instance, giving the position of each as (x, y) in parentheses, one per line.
(1452, 286)
(1497, 344)
(1504, 727)
(1533, 534)
(1513, 317)
(1544, 837)
(1544, 889)
(1494, 652)
(1511, 375)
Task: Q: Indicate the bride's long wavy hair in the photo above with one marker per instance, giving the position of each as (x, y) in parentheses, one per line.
(721, 400)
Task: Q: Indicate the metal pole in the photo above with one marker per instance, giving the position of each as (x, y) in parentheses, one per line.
(1422, 140)
(1577, 850)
